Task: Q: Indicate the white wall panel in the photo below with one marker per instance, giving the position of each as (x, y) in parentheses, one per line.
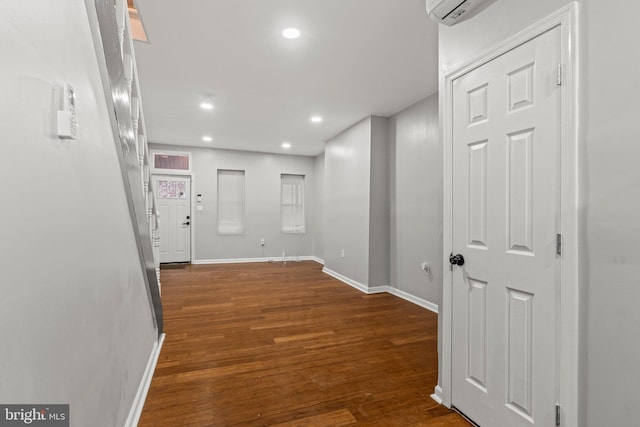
(477, 104)
(178, 230)
(416, 200)
(520, 87)
(519, 352)
(262, 204)
(319, 207)
(520, 191)
(379, 204)
(477, 203)
(476, 350)
(347, 197)
(77, 322)
(163, 211)
(611, 128)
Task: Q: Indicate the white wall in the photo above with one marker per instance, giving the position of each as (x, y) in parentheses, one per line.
(347, 159)
(501, 19)
(262, 204)
(318, 196)
(612, 151)
(609, 178)
(379, 203)
(76, 319)
(357, 203)
(416, 200)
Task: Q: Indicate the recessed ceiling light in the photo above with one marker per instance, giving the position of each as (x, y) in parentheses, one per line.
(206, 104)
(291, 33)
(316, 119)
(286, 145)
(207, 138)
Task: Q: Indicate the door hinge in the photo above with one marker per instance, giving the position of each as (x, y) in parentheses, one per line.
(557, 414)
(558, 244)
(559, 75)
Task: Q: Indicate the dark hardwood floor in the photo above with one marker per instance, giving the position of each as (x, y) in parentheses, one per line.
(286, 345)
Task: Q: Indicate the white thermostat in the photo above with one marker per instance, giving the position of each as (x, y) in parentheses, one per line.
(67, 121)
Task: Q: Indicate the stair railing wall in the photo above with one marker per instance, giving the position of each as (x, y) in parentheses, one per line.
(109, 22)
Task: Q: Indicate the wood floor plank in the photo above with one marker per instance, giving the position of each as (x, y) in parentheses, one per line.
(338, 418)
(302, 337)
(286, 345)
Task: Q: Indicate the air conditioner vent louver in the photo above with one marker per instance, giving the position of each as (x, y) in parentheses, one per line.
(450, 12)
(447, 7)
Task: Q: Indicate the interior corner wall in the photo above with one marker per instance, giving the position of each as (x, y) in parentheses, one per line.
(347, 184)
(393, 203)
(262, 204)
(77, 320)
(415, 160)
(319, 203)
(379, 203)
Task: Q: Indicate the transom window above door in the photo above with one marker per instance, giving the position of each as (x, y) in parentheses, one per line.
(171, 162)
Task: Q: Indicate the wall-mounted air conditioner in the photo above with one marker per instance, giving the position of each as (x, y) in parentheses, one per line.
(450, 12)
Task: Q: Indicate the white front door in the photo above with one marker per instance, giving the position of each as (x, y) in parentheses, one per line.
(173, 196)
(505, 198)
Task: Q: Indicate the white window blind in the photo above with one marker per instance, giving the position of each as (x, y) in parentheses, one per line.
(230, 201)
(292, 203)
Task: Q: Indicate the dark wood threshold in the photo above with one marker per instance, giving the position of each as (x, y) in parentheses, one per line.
(174, 265)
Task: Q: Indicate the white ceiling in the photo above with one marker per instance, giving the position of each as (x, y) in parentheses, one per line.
(355, 58)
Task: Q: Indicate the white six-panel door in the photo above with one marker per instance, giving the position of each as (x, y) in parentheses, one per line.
(506, 192)
(174, 206)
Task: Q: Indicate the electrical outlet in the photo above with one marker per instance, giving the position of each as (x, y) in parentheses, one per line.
(426, 268)
(262, 242)
(342, 253)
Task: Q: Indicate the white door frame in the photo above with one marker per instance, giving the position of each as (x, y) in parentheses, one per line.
(566, 19)
(192, 204)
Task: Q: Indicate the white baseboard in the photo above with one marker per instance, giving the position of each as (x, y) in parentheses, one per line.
(292, 258)
(228, 261)
(377, 289)
(437, 395)
(414, 299)
(359, 286)
(318, 260)
(145, 383)
(247, 260)
(381, 289)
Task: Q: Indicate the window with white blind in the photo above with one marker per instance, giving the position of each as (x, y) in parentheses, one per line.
(292, 203)
(230, 201)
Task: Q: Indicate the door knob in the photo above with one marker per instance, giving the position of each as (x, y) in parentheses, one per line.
(186, 223)
(457, 259)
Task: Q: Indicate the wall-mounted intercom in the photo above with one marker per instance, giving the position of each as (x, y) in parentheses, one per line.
(67, 122)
